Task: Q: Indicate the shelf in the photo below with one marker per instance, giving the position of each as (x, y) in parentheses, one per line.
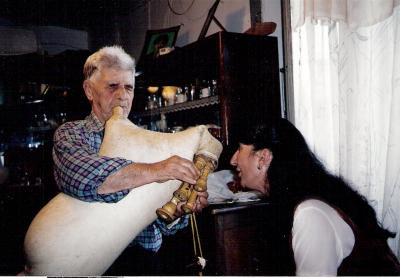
(179, 107)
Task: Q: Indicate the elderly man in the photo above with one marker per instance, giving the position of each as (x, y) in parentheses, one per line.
(82, 173)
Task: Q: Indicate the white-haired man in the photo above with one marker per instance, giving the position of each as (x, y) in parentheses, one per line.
(109, 81)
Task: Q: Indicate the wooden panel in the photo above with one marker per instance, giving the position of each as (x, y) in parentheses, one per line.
(233, 239)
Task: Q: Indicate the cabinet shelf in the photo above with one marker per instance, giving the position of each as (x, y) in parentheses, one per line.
(213, 100)
(246, 69)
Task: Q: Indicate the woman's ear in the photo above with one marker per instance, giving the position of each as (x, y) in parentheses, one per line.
(265, 158)
(88, 90)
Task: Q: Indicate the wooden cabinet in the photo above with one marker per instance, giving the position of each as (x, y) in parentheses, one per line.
(245, 68)
(237, 239)
(243, 239)
(231, 233)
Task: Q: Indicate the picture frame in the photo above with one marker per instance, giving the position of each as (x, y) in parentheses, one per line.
(161, 38)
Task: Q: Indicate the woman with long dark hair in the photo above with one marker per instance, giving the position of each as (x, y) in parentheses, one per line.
(330, 229)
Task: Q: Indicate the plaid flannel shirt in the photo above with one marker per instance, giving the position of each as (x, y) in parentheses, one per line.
(79, 171)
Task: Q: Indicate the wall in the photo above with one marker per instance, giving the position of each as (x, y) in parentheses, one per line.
(271, 11)
(126, 22)
(234, 15)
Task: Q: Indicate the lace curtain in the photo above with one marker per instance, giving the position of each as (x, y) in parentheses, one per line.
(354, 13)
(346, 74)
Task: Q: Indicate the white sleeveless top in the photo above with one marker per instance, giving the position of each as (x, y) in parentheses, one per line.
(321, 239)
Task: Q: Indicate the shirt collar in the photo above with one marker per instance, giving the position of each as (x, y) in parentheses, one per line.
(93, 124)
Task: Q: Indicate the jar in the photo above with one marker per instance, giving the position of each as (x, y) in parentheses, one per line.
(180, 97)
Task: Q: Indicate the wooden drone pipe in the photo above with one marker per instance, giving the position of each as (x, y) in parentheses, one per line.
(206, 167)
(167, 212)
(186, 192)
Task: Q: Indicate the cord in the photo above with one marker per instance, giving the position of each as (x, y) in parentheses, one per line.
(196, 241)
(178, 13)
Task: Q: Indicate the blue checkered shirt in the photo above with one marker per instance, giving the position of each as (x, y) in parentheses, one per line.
(79, 171)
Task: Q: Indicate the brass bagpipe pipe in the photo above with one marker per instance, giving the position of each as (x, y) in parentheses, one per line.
(187, 192)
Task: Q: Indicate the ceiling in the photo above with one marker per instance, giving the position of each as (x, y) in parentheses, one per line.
(76, 14)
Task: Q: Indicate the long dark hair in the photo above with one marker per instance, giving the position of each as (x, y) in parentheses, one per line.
(296, 174)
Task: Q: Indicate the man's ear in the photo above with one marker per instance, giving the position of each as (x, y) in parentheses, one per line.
(88, 90)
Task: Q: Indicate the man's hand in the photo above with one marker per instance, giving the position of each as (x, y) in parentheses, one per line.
(176, 168)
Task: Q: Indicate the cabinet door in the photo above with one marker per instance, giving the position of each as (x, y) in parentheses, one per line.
(250, 82)
(236, 244)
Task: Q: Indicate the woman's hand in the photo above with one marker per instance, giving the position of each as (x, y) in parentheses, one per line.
(201, 202)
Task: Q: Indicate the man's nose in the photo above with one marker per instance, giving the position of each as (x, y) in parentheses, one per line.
(122, 93)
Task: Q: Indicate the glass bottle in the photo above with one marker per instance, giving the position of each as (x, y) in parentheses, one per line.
(180, 96)
(186, 93)
(192, 92)
(214, 87)
(205, 89)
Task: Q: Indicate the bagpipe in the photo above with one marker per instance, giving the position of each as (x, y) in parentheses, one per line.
(70, 237)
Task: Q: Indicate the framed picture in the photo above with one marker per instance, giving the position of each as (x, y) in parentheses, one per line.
(156, 39)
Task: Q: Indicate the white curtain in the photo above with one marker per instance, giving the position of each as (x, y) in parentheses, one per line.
(354, 13)
(346, 67)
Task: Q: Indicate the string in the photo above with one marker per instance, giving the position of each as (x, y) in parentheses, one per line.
(196, 239)
(193, 235)
(197, 235)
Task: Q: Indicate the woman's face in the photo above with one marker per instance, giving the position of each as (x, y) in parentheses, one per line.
(252, 167)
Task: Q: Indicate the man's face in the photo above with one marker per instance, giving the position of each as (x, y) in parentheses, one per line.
(109, 88)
